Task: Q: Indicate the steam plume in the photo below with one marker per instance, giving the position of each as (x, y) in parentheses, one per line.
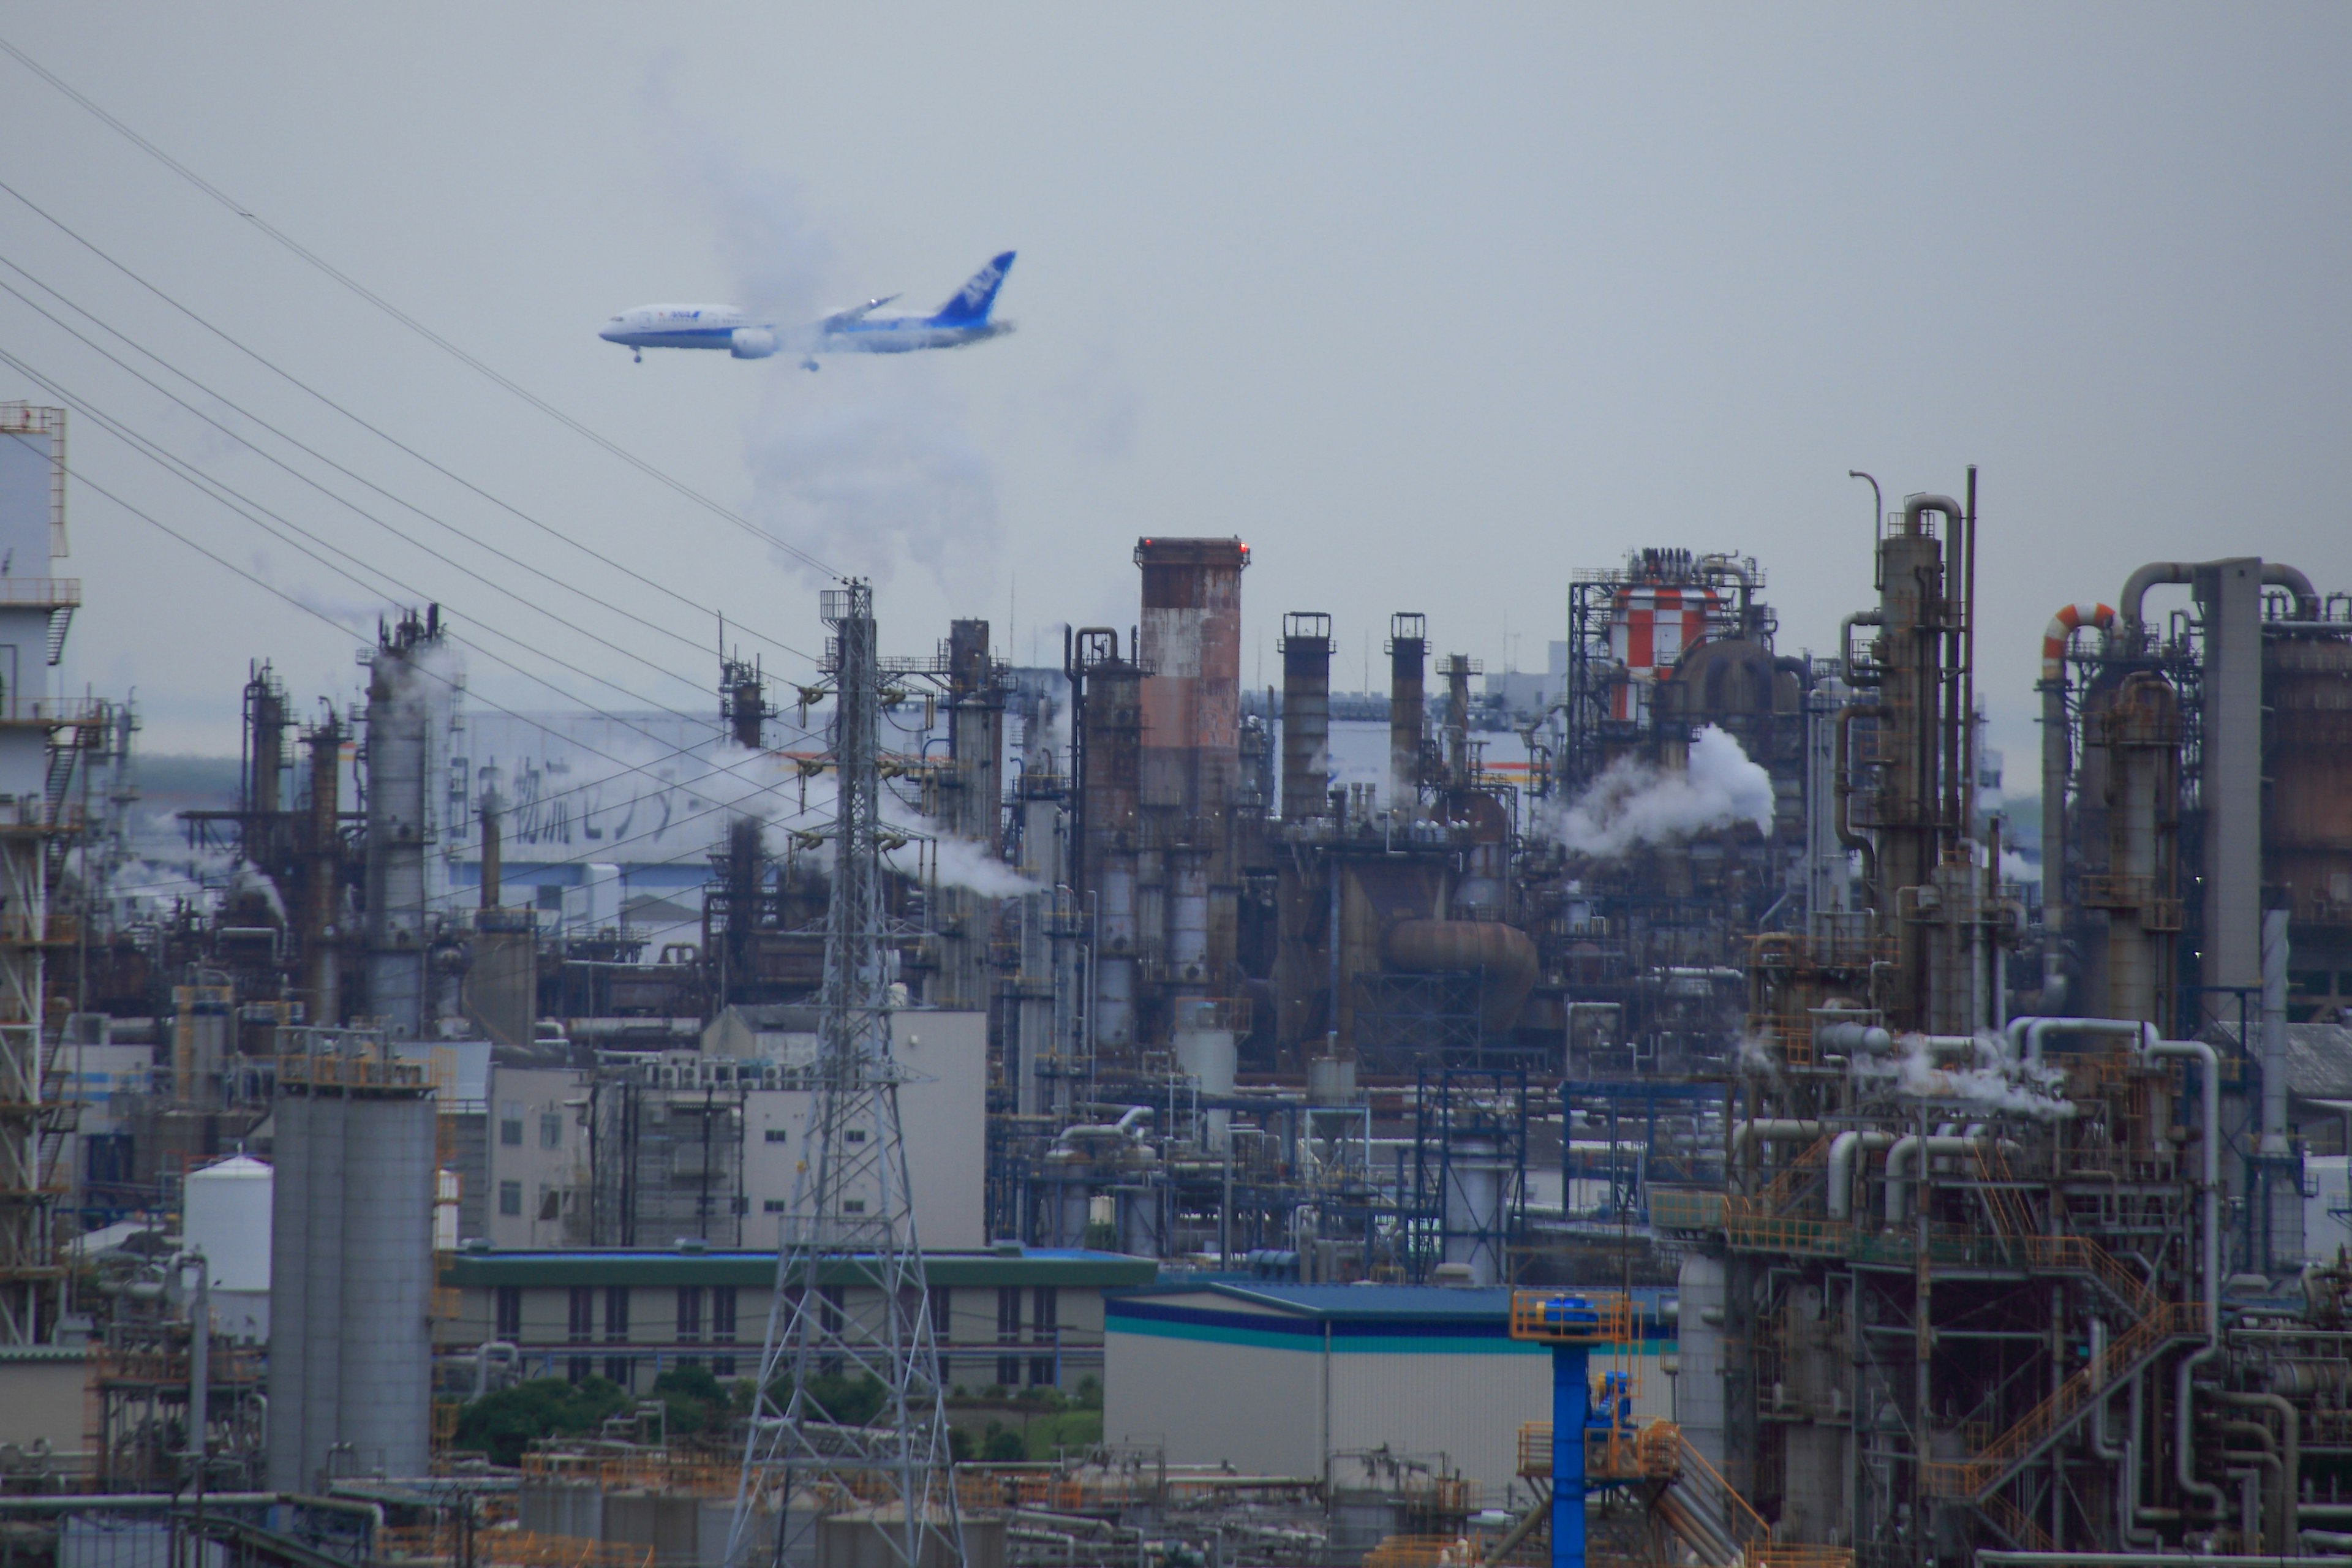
(1634, 803)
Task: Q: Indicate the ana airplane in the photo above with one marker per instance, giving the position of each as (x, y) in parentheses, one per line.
(859, 329)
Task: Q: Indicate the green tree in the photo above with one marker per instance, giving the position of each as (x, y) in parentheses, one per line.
(697, 1402)
(503, 1424)
(845, 1401)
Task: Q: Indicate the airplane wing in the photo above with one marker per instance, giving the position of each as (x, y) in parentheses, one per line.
(854, 312)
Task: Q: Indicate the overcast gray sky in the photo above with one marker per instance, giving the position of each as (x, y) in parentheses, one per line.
(1429, 305)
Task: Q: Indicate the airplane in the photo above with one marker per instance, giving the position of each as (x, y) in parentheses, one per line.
(964, 319)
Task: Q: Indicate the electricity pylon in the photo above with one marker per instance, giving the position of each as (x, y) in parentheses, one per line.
(852, 1221)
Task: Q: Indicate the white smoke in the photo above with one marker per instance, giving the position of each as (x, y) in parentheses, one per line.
(1634, 802)
(960, 863)
(2016, 868)
(1987, 1076)
(756, 785)
(870, 463)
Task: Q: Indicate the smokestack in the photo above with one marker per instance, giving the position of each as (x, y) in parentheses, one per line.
(1111, 747)
(975, 734)
(322, 878)
(1191, 650)
(1408, 661)
(1457, 669)
(1306, 714)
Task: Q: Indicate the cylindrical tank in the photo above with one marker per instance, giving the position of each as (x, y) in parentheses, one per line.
(351, 1270)
(1305, 715)
(1408, 682)
(1209, 1053)
(1192, 653)
(1699, 1294)
(1188, 921)
(411, 690)
(225, 1214)
(1112, 748)
(2140, 733)
(1502, 956)
(1477, 1177)
(2307, 819)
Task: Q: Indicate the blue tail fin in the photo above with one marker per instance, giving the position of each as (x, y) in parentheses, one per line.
(973, 301)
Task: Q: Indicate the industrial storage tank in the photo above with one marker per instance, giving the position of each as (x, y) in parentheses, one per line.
(226, 1216)
(351, 1350)
(2307, 819)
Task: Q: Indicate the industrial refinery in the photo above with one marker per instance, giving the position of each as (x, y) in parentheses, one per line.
(1107, 1031)
(1336, 933)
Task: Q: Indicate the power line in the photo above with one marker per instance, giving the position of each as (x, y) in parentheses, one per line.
(377, 431)
(406, 319)
(217, 490)
(203, 485)
(343, 500)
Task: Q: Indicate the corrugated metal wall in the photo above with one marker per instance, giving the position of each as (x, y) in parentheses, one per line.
(1260, 1409)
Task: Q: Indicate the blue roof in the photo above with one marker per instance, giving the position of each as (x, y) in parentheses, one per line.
(1363, 1303)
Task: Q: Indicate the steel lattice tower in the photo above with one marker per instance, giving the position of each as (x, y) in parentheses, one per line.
(851, 1220)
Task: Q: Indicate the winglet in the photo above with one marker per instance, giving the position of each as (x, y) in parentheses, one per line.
(973, 301)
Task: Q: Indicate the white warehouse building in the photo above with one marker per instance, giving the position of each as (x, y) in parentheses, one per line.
(1290, 1380)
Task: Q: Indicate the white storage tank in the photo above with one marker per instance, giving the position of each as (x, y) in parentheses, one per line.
(224, 1214)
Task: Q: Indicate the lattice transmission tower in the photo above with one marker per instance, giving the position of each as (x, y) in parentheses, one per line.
(852, 1221)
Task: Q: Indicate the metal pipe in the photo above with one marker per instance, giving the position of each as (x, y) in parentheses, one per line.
(1966, 826)
(1841, 818)
(2275, 1072)
(1841, 1152)
(1901, 1153)
(2136, 587)
(2025, 1034)
(2290, 1449)
(1768, 1129)
(2279, 575)
(2211, 1144)
(2144, 1559)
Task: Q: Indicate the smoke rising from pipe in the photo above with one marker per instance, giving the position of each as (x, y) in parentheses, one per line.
(760, 787)
(1993, 1077)
(1634, 802)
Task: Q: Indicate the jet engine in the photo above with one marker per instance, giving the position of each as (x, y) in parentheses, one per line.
(751, 342)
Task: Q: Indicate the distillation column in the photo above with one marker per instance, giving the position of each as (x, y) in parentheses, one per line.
(1407, 667)
(1305, 715)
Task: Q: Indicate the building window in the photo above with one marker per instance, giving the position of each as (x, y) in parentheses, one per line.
(1008, 1332)
(943, 1313)
(510, 1312)
(828, 1308)
(551, 1129)
(723, 1315)
(510, 1123)
(616, 1314)
(689, 1314)
(1044, 1318)
(722, 1366)
(511, 1199)
(583, 1325)
(774, 1135)
(579, 1369)
(621, 1369)
(774, 1206)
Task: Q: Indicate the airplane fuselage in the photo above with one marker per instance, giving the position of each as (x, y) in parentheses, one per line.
(716, 326)
(860, 329)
